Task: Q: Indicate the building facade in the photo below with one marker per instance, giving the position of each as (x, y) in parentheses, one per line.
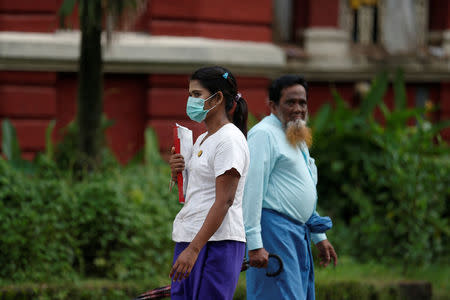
(333, 43)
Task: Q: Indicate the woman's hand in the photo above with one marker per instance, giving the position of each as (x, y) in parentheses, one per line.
(184, 264)
(176, 162)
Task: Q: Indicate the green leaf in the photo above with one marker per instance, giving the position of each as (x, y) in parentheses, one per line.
(137, 158)
(399, 118)
(385, 110)
(151, 147)
(321, 118)
(343, 117)
(399, 90)
(106, 123)
(375, 95)
(49, 147)
(10, 144)
(65, 10)
(67, 7)
(340, 102)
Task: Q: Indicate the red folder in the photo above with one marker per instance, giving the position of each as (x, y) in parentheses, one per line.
(176, 143)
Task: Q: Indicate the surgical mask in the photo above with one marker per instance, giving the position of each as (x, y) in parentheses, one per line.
(194, 108)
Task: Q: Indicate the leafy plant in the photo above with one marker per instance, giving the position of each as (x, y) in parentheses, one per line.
(10, 145)
(11, 148)
(114, 223)
(385, 184)
(68, 156)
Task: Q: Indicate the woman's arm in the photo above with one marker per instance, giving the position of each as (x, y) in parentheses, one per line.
(226, 185)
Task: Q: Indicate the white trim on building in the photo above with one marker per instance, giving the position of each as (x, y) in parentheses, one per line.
(137, 53)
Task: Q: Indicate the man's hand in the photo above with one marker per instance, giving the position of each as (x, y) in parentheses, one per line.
(259, 258)
(326, 253)
(176, 162)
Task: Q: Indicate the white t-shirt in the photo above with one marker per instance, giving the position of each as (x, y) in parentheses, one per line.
(225, 149)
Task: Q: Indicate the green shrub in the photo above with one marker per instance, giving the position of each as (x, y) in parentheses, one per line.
(385, 185)
(76, 291)
(115, 222)
(335, 290)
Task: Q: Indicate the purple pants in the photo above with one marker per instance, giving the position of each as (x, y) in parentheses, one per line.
(215, 274)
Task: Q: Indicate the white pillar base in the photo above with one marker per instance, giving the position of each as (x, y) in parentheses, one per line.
(326, 42)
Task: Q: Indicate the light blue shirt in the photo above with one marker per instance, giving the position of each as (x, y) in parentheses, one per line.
(281, 177)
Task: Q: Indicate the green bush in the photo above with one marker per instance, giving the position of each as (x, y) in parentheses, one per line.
(386, 185)
(115, 222)
(76, 291)
(335, 290)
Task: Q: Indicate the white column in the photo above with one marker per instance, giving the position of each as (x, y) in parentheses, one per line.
(326, 42)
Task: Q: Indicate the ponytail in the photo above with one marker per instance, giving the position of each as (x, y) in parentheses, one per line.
(240, 115)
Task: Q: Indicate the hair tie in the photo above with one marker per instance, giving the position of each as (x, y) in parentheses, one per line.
(231, 111)
(238, 95)
(225, 75)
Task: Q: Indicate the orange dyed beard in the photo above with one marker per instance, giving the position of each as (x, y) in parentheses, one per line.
(297, 132)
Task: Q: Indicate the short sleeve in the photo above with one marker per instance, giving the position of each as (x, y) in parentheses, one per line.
(230, 153)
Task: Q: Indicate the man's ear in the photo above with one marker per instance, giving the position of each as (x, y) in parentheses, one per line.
(272, 106)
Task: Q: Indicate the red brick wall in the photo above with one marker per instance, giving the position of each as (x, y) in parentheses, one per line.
(233, 19)
(323, 13)
(28, 100)
(320, 93)
(124, 103)
(32, 99)
(314, 13)
(28, 16)
(213, 19)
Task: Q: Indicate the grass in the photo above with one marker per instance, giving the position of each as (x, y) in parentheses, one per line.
(347, 271)
(379, 275)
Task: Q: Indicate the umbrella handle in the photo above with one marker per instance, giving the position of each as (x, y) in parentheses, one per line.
(280, 266)
(246, 265)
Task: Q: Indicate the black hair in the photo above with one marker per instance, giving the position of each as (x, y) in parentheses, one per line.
(218, 78)
(283, 82)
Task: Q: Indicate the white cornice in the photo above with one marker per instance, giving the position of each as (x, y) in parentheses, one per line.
(137, 53)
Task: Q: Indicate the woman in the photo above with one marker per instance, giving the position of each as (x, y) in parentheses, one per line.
(209, 230)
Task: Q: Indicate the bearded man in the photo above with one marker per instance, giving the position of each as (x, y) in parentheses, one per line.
(280, 198)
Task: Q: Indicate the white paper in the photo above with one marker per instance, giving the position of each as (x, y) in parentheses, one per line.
(186, 143)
